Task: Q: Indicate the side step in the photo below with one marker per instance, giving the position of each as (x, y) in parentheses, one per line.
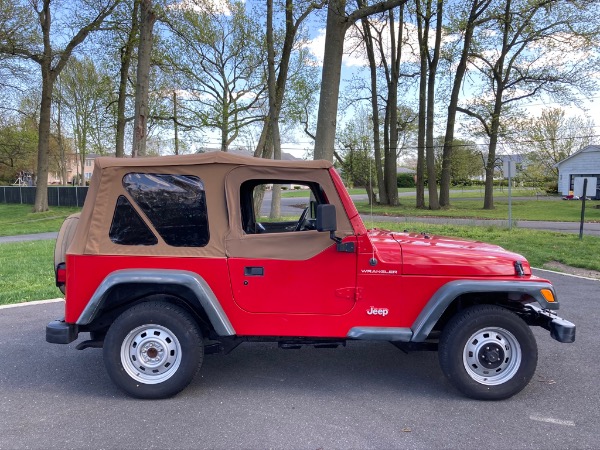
(299, 343)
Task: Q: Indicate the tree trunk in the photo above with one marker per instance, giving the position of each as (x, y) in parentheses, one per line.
(457, 83)
(423, 31)
(499, 76)
(126, 55)
(140, 125)
(273, 128)
(330, 80)
(383, 197)
(430, 151)
(61, 145)
(41, 191)
(391, 157)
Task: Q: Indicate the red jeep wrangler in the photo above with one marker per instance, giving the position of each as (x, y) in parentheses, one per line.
(170, 255)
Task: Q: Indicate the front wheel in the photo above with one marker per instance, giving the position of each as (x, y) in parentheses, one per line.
(488, 352)
(153, 350)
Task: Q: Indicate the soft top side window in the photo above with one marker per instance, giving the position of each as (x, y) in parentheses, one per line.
(127, 227)
(174, 204)
(298, 206)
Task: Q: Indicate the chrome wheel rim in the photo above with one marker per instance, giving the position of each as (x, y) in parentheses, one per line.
(492, 356)
(151, 354)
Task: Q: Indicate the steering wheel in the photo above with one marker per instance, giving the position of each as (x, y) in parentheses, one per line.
(302, 219)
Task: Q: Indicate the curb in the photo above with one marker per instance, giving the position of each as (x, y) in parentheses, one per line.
(35, 302)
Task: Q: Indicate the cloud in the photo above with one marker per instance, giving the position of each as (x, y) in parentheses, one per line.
(221, 7)
(354, 50)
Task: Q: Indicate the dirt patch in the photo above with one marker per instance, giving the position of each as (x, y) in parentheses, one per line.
(559, 267)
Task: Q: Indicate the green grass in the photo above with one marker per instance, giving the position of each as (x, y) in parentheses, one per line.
(551, 210)
(539, 247)
(26, 272)
(478, 192)
(18, 219)
(304, 193)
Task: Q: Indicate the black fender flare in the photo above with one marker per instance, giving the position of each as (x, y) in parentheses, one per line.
(445, 295)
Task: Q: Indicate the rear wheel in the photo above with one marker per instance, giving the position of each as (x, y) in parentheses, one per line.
(488, 352)
(153, 350)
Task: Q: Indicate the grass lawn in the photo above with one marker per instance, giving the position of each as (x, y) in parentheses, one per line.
(18, 219)
(551, 210)
(304, 193)
(26, 272)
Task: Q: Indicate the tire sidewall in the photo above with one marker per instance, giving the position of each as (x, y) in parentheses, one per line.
(466, 324)
(177, 322)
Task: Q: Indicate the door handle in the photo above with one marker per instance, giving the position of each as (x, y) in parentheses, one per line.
(254, 271)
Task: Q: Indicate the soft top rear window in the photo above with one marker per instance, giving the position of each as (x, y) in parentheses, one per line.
(175, 204)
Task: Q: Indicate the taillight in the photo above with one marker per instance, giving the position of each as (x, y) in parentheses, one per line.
(61, 274)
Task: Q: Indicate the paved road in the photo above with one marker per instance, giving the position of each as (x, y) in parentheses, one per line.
(28, 237)
(366, 395)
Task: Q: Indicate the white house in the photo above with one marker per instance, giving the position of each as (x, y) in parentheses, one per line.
(582, 164)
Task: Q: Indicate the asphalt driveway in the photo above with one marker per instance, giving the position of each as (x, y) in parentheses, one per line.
(365, 395)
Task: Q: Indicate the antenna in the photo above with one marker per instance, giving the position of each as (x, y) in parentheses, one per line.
(372, 261)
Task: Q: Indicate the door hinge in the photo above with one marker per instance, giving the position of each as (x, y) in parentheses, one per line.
(349, 293)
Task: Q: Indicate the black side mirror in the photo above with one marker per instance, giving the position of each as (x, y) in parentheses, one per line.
(326, 220)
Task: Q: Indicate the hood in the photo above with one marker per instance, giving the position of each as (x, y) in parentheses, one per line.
(432, 255)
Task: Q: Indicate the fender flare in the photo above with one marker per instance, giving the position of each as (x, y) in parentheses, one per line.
(445, 295)
(190, 280)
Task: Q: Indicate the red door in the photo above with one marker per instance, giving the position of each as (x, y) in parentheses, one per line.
(304, 280)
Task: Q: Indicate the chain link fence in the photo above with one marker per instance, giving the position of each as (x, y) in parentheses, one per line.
(57, 195)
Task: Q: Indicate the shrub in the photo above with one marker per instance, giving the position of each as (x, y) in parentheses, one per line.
(552, 188)
(406, 180)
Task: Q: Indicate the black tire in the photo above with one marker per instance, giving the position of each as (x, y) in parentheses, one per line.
(488, 352)
(153, 350)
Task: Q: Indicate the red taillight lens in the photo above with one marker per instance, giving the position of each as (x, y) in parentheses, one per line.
(61, 274)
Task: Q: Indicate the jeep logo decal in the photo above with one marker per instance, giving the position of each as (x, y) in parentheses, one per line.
(378, 311)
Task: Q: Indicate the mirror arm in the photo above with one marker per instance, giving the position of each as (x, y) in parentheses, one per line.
(343, 247)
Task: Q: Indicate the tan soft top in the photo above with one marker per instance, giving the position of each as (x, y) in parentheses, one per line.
(222, 174)
(206, 158)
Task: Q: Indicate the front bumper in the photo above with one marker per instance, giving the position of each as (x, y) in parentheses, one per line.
(560, 329)
(61, 332)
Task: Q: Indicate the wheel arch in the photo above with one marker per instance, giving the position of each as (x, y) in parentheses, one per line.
(449, 298)
(123, 288)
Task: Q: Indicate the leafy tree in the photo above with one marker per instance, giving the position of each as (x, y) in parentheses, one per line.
(218, 54)
(550, 138)
(338, 22)
(465, 161)
(18, 143)
(84, 92)
(142, 85)
(384, 43)
(429, 15)
(468, 16)
(520, 55)
(51, 50)
(270, 139)
(356, 153)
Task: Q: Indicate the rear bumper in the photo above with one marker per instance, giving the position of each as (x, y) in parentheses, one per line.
(61, 332)
(560, 329)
